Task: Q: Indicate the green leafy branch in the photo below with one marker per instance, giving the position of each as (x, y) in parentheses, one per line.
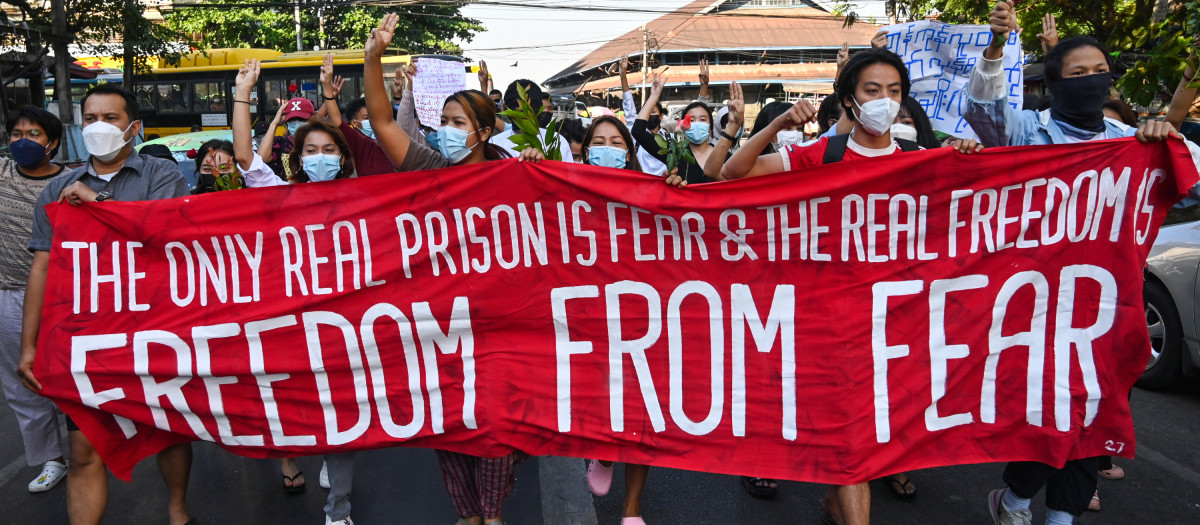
(228, 181)
(678, 150)
(528, 134)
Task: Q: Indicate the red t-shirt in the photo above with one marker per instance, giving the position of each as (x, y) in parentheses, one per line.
(797, 157)
(369, 158)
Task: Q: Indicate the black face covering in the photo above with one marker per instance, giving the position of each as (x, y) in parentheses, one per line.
(1077, 100)
(654, 121)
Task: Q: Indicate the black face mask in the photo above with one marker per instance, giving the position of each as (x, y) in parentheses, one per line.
(654, 121)
(1078, 100)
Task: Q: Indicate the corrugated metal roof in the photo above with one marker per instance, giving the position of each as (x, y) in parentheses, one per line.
(743, 28)
(758, 74)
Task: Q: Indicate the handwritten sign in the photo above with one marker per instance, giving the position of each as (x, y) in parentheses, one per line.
(436, 80)
(940, 58)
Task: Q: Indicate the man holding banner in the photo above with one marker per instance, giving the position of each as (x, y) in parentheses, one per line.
(1078, 77)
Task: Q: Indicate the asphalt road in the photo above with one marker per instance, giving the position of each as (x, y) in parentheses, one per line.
(403, 486)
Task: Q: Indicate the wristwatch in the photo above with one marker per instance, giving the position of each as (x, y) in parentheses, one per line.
(103, 196)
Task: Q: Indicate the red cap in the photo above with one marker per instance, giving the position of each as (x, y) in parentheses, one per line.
(300, 108)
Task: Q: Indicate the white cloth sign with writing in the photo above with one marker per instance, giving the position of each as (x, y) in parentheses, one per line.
(436, 80)
(940, 58)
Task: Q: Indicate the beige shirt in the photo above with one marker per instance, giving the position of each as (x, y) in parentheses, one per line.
(18, 193)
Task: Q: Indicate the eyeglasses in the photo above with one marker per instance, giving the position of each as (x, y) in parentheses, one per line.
(32, 134)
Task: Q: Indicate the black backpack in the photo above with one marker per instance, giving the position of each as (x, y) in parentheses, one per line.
(835, 149)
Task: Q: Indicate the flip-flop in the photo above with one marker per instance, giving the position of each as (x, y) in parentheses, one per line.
(292, 489)
(1114, 473)
(1094, 505)
(760, 487)
(905, 491)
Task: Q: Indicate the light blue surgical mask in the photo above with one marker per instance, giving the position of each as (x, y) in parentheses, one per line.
(365, 128)
(607, 156)
(698, 133)
(294, 125)
(432, 139)
(321, 167)
(452, 142)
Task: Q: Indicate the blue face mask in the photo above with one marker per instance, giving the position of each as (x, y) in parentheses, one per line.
(322, 166)
(452, 142)
(607, 156)
(698, 133)
(365, 128)
(294, 125)
(432, 139)
(27, 153)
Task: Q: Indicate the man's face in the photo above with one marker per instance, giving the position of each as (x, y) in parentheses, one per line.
(110, 108)
(496, 98)
(1083, 61)
(876, 81)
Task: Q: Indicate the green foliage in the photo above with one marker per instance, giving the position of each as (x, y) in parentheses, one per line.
(677, 149)
(228, 181)
(527, 133)
(423, 28)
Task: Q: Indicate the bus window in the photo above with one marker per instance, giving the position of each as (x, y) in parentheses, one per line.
(145, 96)
(210, 97)
(174, 98)
(282, 89)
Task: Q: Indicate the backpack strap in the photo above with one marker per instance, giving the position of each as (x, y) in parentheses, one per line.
(908, 145)
(835, 148)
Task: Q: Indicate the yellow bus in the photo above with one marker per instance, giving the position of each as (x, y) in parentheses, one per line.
(199, 91)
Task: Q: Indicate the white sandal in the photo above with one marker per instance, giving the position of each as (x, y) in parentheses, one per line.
(52, 473)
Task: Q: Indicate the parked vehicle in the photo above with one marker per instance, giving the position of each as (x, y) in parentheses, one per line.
(1173, 301)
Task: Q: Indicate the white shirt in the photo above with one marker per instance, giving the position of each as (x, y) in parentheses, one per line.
(502, 139)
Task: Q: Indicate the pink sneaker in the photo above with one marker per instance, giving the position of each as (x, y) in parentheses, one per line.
(599, 477)
(636, 520)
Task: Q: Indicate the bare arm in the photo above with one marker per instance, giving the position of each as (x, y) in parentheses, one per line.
(330, 87)
(623, 64)
(483, 77)
(716, 159)
(390, 136)
(31, 321)
(1184, 96)
(268, 138)
(243, 139)
(747, 163)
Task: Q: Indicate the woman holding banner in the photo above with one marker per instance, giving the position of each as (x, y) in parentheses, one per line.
(477, 485)
(324, 155)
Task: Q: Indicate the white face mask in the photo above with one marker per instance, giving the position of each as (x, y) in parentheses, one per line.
(905, 132)
(104, 141)
(877, 116)
(788, 137)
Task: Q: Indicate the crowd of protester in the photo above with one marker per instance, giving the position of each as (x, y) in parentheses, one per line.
(870, 114)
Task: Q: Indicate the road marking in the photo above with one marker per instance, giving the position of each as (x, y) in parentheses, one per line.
(10, 470)
(565, 496)
(1168, 464)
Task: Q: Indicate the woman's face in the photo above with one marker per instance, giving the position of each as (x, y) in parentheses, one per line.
(217, 162)
(606, 134)
(699, 115)
(318, 141)
(455, 116)
(904, 117)
(360, 116)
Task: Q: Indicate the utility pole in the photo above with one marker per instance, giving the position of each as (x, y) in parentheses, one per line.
(645, 60)
(299, 37)
(62, 69)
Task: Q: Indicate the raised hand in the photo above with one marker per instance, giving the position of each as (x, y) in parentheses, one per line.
(398, 82)
(1049, 34)
(657, 85)
(624, 63)
(327, 70)
(338, 82)
(843, 55)
(879, 41)
(1002, 20)
(247, 77)
(737, 105)
(483, 76)
(799, 113)
(704, 73)
(381, 37)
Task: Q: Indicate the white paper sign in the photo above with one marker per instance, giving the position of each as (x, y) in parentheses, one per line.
(214, 119)
(940, 58)
(436, 80)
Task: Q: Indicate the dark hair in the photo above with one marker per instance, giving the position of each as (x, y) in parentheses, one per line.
(197, 127)
(572, 130)
(632, 161)
(207, 147)
(131, 104)
(44, 119)
(481, 109)
(1128, 116)
(158, 150)
(848, 81)
(315, 124)
(926, 138)
(768, 113)
(707, 110)
(829, 109)
(495, 92)
(512, 98)
(1054, 57)
(353, 107)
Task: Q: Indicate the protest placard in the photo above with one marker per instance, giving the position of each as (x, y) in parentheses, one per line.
(940, 58)
(435, 80)
(988, 310)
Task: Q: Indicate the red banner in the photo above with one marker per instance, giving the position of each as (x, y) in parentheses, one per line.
(830, 325)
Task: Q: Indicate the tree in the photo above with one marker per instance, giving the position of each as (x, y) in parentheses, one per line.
(424, 28)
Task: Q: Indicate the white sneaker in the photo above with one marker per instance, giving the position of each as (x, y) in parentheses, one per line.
(347, 521)
(1001, 515)
(52, 473)
(323, 479)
